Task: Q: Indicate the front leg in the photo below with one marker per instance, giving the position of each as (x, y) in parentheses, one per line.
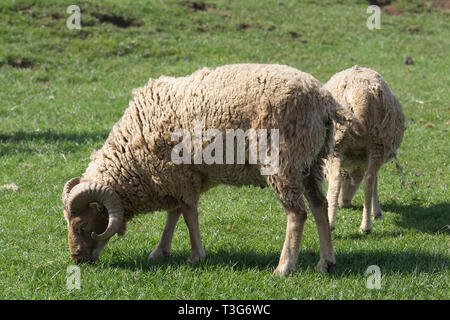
(190, 215)
(163, 247)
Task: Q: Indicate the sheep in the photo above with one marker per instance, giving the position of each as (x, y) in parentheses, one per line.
(134, 173)
(367, 95)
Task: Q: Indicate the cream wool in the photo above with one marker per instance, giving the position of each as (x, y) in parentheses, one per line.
(135, 162)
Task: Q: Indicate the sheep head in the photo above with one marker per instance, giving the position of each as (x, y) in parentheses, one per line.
(93, 214)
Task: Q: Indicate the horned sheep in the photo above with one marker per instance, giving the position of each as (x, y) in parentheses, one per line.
(133, 172)
(365, 93)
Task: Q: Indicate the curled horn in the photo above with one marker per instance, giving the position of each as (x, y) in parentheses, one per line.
(67, 188)
(86, 192)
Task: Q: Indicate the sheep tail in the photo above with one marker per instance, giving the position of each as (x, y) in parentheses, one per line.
(346, 117)
(399, 168)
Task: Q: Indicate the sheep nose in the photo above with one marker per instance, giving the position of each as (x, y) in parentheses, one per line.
(79, 259)
(76, 258)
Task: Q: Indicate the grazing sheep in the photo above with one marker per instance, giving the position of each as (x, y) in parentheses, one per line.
(367, 95)
(134, 173)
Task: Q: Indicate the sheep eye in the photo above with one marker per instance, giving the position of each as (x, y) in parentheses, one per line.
(82, 227)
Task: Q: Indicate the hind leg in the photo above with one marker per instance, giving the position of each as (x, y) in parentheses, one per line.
(288, 187)
(334, 188)
(370, 180)
(296, 217)
(377, 214)
(350, 185)
(319, 205)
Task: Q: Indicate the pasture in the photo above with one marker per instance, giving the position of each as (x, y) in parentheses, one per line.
(61, 91)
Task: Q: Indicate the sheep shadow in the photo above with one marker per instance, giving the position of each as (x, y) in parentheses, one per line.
(432, 219)
(18, 142)
(426, 219)
(348, 263)
(423, 219)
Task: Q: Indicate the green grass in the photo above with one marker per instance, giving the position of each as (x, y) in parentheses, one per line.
(62, 90)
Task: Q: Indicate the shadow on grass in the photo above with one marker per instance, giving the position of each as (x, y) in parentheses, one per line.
(432, 219)
(368, 237)
(348, 263)
(18, 142)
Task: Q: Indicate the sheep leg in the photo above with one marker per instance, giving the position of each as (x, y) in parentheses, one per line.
(376, 209)
(345, 184)
(163, 247)
(369, 190)
(349, 187)
(190, 215)
(334, 187)
(318, 204)
(296, 218)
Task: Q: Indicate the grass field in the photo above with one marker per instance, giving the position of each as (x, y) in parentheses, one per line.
(62, 90)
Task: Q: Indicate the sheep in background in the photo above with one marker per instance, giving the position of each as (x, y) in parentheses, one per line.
(133, 172)
(365, 93)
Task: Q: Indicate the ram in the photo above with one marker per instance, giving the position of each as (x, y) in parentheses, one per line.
(134, 171)
(365, 93)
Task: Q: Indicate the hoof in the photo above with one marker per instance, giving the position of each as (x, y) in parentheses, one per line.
(192, 261)
(196, 259)
(157, 253)
(332, 226)
(325, 266)
(364, 230)
(284, 270)
(344, 204)
(378, 215)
